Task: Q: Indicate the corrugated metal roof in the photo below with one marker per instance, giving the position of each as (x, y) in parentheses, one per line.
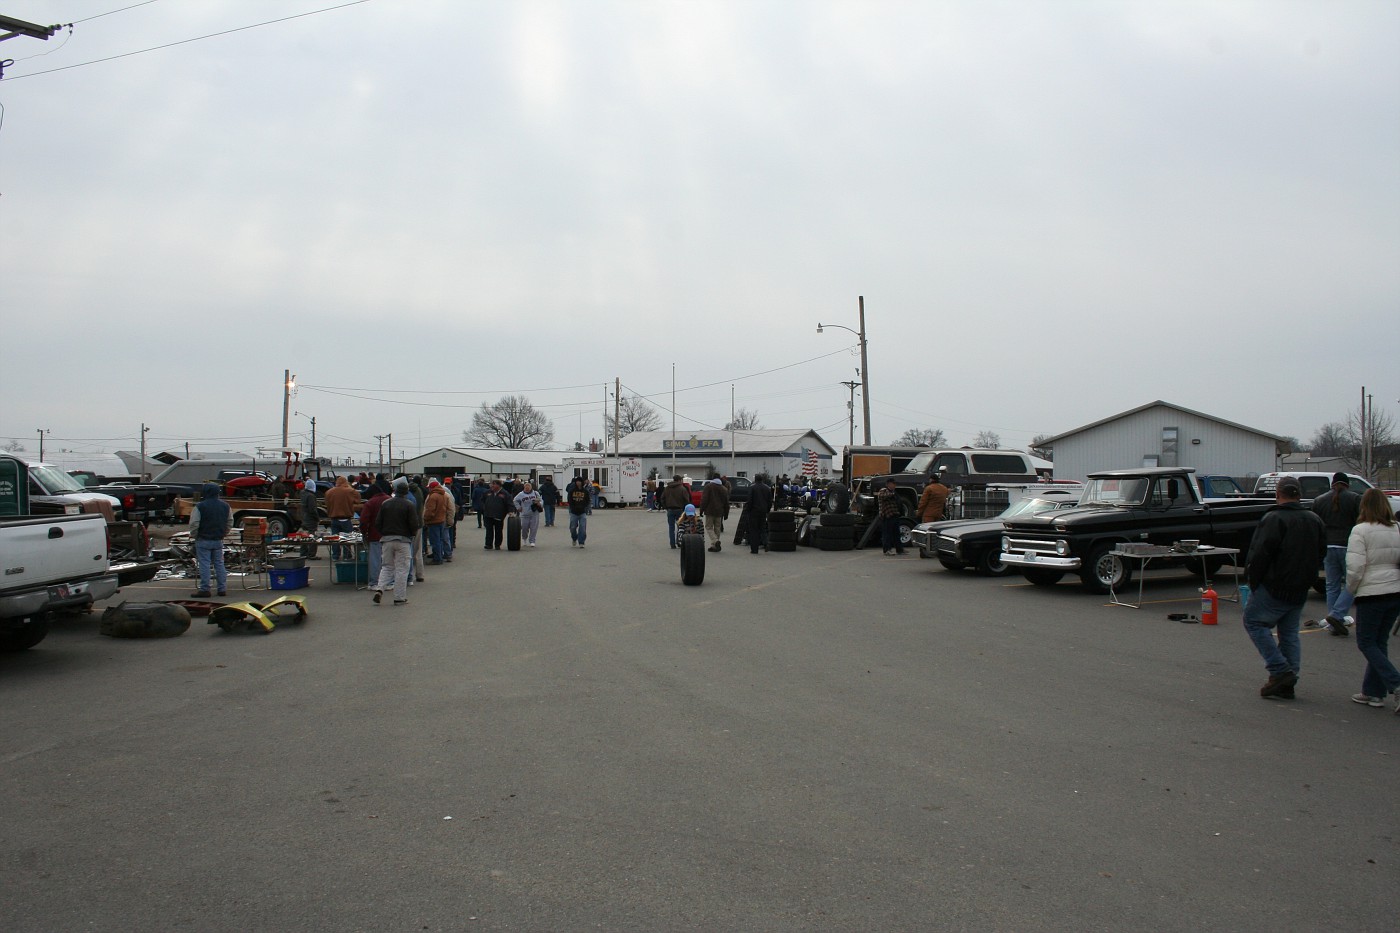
(756, 441)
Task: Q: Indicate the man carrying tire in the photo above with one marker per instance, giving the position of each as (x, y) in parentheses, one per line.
(714, 505)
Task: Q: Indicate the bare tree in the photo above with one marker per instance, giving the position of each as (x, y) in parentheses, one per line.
(512, 423)
(921, 437)
(1039, 449)
(12, 446)
(990, 439)
(1330, 440)
(634, 414)
(744, 420)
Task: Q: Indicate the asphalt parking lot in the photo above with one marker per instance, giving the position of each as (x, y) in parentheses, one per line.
(563, 739)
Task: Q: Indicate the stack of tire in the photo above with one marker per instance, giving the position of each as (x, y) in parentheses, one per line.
(837, 532)
(782, 530)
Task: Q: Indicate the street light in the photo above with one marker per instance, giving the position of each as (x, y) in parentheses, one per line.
(864, 365)
(289, 382)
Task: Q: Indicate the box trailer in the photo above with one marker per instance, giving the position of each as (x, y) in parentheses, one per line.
(619, 479)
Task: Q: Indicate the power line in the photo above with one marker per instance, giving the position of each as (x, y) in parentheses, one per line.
(170, 45)
(110, 12)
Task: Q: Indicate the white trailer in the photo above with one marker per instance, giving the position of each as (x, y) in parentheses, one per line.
(619, 479)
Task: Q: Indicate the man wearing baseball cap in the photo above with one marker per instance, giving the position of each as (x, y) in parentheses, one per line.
(1284, 556)
(1338, 510)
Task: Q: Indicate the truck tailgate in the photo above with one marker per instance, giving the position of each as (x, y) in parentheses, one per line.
(39, 550)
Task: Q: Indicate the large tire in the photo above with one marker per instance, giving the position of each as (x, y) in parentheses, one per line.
(1041, 577)
(989, 563)
(839, 520)
(1102, 571)
(23, 634)
(837, 500)
(512, 532)
(779, 534)
(906, 526)
(782, 520)
(692, 559)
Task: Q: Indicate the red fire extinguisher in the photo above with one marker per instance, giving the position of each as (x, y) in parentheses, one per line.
(1210, 606)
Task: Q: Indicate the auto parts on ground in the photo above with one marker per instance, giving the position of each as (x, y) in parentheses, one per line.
(259, 618)
(145, 620)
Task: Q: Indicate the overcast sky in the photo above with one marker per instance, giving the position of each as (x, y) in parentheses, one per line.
(1055, 211)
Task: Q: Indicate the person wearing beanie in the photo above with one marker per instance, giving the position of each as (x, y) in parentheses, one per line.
(209, 522)
(1338, 509)
(1284, 556)
(398, 526)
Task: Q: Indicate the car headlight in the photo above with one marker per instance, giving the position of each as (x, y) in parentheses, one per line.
(1062, 547)
(1005, 543)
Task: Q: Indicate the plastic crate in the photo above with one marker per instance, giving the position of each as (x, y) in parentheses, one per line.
(346, 572)
(289, 579)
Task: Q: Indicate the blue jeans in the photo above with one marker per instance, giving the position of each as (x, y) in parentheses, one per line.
(1338, 599)
(1262, 616)
(673, 516)
(375, 552)
(549, 515)
(578, 527)
(207, 553)
(437, 542)
(889, 535)
(342, 526)
(1374, 617)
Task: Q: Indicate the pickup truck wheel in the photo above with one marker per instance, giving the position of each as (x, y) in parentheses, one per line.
(1103, 571)
(23, 634)
(990, 564)
(906, 528)
(1043, 577)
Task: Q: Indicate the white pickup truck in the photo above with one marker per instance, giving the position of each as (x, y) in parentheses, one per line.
(47, 562)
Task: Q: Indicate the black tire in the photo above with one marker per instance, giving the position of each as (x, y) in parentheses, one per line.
(782, 520)
(781, 546)
(786, 537)
(838, 520)
(1102, 571)
(692, 559)
(950, 564)
(989, 564)
(837, 500)
(512, 532)
(1042, 577)
(602, 502)
(23, 634)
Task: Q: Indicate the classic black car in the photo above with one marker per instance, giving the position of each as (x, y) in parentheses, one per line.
(976, 543)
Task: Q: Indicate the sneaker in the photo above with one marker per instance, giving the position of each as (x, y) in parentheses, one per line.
(400, 602)
(1365, 700)
(580, 544)
(889, 553)
(1278, 683)
(1312, 623)
(532, 544)
(378, 596)
(1336, 626)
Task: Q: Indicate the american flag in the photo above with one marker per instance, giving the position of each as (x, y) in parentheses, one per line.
(811, 465)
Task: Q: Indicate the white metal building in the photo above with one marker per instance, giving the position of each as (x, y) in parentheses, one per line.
(1162, 434)
(775, 451)
(486, 461)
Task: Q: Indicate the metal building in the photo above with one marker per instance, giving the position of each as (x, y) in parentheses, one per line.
(775, 451)
(1162, 434)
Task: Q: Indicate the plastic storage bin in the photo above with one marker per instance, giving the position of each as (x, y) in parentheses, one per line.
(289, 579)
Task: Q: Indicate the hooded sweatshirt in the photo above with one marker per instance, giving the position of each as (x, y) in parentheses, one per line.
(211, 516)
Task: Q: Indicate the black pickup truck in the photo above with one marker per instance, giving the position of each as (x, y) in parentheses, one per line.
(972, 468)
(1155, 505)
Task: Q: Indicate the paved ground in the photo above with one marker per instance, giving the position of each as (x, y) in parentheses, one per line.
(833, 741)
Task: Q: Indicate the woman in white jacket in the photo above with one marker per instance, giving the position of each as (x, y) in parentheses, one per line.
(1373, 576)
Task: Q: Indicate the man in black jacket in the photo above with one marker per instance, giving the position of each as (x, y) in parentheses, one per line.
(398, 525)
(760, 504)
(495, 507)
(1338, 510)
(1284, 557)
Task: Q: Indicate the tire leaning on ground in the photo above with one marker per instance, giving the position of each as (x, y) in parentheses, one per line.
(512, 532)
(692, 559)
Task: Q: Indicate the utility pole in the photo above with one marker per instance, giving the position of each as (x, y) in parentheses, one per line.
(864, 374)
(145, 477)
(390, 435)
(11, 27)
(42, 432)
(851, 415)
(289, 382)
(617, 422)
(380, 439)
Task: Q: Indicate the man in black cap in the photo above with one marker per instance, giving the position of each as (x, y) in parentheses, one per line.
(1338, 510)
(1284, 557)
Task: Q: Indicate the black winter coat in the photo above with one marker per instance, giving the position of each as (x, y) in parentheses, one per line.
(1288, 548)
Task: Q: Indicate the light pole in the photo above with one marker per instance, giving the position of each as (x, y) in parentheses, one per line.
(313, 431)
(145, 477)
(289, 382)
(864, 366)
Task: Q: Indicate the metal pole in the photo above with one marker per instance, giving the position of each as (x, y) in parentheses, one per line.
(617, 430)
(864, 373)
(732, 451)
(673, 419)
(313, 437)
(391, 452)
(41, 444)
(286, 402)
(144, 429)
